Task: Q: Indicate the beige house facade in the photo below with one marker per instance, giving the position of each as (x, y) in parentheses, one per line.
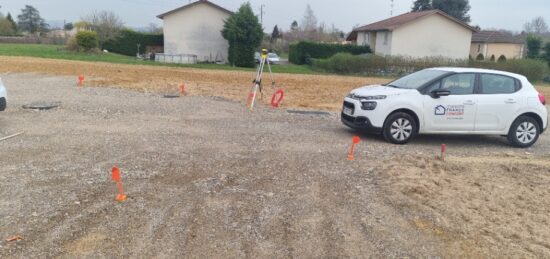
(194, 31)
(418, 35)
(496, 44)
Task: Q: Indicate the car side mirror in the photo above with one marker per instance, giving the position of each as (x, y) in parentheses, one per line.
(439, 92)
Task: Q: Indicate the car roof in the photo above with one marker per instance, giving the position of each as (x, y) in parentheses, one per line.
(477, 70)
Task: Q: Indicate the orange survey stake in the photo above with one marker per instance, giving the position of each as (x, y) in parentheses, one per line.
(116, 177)
(351, 153)
(182, 89)
(80, 80)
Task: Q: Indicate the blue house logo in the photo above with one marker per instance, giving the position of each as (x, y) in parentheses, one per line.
(440, 110)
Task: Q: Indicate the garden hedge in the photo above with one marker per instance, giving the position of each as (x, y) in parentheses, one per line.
(126, 43)
(303, 52)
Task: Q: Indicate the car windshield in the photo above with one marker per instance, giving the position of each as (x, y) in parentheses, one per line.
(418, 79)
(273, 55)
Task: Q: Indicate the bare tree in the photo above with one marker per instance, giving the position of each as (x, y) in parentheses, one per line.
(309, 22)
(107, 25)
(537, 26)
(154, 29)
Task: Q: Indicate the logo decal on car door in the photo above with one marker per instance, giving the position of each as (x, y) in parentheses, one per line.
(440, 110)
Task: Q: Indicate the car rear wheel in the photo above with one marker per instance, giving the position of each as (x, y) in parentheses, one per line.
(400, 128)
(524, 132)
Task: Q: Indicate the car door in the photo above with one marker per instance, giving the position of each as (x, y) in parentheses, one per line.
(498, 102)
(453, 113)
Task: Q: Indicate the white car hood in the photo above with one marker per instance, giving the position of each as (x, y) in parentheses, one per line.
(374, 90)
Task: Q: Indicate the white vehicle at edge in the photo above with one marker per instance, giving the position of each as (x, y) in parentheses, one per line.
(3, 96)
(450, 101)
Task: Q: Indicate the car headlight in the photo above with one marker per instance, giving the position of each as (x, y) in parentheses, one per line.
(376, 97)
(368, 106)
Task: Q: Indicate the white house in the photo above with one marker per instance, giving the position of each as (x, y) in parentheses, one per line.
(193, 33)
(430, 33)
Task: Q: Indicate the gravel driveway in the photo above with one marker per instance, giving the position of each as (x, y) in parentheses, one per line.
(205, 178)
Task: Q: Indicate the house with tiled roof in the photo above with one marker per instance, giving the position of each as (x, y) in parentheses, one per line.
(192, 33)
(430, 33)
(496, 44)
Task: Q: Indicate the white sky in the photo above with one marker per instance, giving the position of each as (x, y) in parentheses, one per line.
(344, 14)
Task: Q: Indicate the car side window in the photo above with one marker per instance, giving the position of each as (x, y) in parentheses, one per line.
(459, 84)
(497, 84)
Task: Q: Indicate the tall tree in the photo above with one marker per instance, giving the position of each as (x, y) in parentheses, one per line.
(537, 26)
(421, 5)
(309, 22)
(275, 34)
(13, 24)
(6, 28)
(107, 25)
(30, 21)
(455, 8)
(244, 33)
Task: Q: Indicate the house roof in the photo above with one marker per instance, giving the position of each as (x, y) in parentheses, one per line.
(495, 37)
(400, 20)
(193, 4)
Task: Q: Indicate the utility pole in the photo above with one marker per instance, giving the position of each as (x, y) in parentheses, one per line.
(262, 14)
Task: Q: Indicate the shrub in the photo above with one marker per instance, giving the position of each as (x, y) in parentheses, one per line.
(345, 63)
(534, 70)
(493, 58)
(480, 57)
(502, 58)
(547, 53)
(126, 43)
(87, 40)
(244, 33)
(302, 52)
(71, 44)
(534, 44)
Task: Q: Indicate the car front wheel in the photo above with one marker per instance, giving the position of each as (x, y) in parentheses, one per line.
(524, 132)
(400, 128)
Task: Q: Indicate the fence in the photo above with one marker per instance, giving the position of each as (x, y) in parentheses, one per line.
(178, 59)
(33, 40)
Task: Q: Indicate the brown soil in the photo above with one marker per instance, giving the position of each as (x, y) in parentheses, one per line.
(301, 91)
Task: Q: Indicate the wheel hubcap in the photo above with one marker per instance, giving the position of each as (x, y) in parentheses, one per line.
(526, 132)
(401, 129)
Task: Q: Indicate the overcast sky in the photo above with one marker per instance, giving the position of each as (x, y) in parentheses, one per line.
(344, 14)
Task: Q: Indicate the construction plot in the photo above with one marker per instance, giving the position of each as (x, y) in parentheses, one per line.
(204, 177)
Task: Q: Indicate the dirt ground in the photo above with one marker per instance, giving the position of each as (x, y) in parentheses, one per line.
(206, 178)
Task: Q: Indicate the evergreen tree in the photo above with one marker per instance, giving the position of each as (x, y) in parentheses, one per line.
(294, 26)
(534, 44)
(244, 33)
(421, 5)
(13, 24)
(30, 21)
(275, 34)
(456, 8)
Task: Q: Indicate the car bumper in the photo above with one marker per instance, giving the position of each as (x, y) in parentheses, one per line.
(360, 123)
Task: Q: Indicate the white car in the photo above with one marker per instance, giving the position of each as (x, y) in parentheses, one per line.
(450, 101)
(3, 96)
(273, 58)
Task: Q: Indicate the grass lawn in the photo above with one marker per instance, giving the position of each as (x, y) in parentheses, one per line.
(57, 52)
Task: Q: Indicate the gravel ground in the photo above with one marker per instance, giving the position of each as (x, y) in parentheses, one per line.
(207, 178)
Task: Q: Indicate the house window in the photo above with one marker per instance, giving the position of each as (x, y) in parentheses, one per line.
(478, 48)
(366, 39)
(386, 36)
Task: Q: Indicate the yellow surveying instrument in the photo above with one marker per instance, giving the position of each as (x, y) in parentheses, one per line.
(264, 60)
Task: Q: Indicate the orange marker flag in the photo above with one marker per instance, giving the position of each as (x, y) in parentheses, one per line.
(116, 177)
(351, 153)
(443, 151)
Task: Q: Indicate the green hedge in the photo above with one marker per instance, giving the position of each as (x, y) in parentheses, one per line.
(345, 63)
(126, 44)
(302, 52)
(87, 40)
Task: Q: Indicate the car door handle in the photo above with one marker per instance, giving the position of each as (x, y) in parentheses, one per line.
(469, 103)
(510, 101)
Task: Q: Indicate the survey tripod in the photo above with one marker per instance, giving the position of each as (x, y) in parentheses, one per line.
(264, 60)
